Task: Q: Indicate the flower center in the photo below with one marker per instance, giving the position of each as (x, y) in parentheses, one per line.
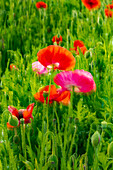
(53, 66)
(20, 112)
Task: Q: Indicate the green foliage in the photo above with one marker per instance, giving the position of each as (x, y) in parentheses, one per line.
(58, 137)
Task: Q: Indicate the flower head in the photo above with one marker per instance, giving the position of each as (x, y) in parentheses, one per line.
(56, 57)
(110, 6)
(91, 4)
(41, 4)
(81, 80)
(55, 95)
(57, 39)
(39, 68)
(22, 113)
(108, 13)
(80, 44)
(13, 67)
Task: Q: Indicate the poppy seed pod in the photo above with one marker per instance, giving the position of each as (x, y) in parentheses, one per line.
(53, 160)
(110, 150)
(95, 139)
(45, 94)
(13, 120)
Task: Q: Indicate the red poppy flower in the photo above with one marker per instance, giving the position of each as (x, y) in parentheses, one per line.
(108, 13)
(91, 4)
(57, 39)
(80, 44)
(22, 113)
(110, 6)
(41, 4)
(60, 97)
(56, 57)
(12, 66)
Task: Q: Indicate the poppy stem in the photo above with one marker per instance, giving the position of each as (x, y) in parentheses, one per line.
(15, 131)
(23, 140)
(42, 145)
(71, 103)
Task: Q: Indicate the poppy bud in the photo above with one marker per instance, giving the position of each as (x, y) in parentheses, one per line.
(104, 125)
(111, 43)
(95, 139)
(53, 160)
(54, 121)
(16, 139)
(110, 150)
(100, 21)
(58, 36)
(76, 121)
(13, 120)
(87, 54)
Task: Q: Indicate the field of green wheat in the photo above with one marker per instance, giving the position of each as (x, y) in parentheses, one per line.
(56, 85)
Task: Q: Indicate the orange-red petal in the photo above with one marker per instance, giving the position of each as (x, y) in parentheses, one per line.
(13, 110)
(60, 56)
(91, 4)
(39, 95)
(64, 98)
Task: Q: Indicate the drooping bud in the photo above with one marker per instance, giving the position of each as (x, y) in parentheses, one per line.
(110, 150)
(104, 125)
(16, 139)
(95, 139)
(53, 160)
(88, 54)
(13, 120)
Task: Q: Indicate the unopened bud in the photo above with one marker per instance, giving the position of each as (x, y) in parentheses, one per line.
(104, 125)
(110, 150)
(95, 139)
(53, 159)
(87, 54)
(16, 139)
(13, 120)
(100, 20)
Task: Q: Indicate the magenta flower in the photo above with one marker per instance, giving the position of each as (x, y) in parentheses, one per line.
(81, 80)
(39, 68)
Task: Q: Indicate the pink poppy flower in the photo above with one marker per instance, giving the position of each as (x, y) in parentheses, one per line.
(81, 80)
(39, 68)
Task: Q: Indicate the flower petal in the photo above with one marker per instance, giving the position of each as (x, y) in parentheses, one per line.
(28, 112)
(80, 79)
(58, 56)
(13, 110)
(91, 4)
